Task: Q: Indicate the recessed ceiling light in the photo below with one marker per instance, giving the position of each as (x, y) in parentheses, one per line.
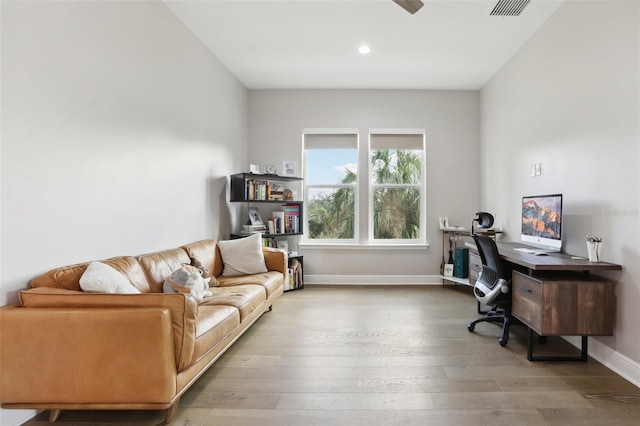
(364, 49)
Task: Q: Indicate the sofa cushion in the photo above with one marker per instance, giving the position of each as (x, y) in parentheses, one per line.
(213, 324)
(68, 277)
(271, 281)
(242, 256)
(158, 266)
(102, 278)
(247, 298)
(207, 252)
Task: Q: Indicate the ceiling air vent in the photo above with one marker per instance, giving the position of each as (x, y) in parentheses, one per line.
(509, 7)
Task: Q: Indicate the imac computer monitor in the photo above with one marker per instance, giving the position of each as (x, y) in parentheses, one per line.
(542, 221)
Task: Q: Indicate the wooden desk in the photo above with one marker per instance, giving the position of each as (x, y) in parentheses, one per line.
(551, 261)
(554, 295)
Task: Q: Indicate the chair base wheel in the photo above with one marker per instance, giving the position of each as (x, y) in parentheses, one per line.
(503, 342)
(471, 327)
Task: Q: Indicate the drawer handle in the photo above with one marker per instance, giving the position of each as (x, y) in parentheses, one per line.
(526, 290)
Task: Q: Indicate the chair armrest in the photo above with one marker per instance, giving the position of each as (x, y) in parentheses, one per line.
(276, 259)
(86, 355)
(182, 309)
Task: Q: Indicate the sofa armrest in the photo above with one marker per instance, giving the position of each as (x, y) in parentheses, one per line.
(182, 310)
(86, 355)
(276, 260)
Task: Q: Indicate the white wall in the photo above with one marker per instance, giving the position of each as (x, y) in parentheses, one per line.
(569, 99)
(119, 129)
(452, 123)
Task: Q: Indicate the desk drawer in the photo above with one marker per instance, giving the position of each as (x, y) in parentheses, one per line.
(475, 266)
(527, 300)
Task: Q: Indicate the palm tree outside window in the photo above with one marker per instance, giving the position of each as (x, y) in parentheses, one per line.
(392, 189)
(396, 208)
(331, 186)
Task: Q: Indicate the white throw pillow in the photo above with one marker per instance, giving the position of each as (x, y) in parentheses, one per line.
(242, 256)
(102, 278)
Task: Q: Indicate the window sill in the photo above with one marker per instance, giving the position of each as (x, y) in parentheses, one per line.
(356, 246)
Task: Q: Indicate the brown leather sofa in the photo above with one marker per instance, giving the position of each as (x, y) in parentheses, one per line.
(64, 349)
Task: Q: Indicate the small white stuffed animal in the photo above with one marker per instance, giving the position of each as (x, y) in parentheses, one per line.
(188, 279)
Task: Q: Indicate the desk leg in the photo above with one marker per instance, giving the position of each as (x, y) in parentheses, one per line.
(531, 357)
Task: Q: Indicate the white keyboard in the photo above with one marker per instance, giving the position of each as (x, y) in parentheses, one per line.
(525, 250)
(537, 252)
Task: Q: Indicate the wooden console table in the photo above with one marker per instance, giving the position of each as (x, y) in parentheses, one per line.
(555, 295)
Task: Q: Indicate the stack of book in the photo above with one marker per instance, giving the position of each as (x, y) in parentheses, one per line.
(292, 218)
(276, 223)
(256, 189)
(262, 190)
(295, 275)
(253, 229)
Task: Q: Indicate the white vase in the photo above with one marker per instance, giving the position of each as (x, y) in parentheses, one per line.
(593, 250)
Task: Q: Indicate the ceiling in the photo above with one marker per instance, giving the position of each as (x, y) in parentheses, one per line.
(313, 44)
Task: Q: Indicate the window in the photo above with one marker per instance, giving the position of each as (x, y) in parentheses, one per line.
(385, 204)
(330, 165)
(396, 182)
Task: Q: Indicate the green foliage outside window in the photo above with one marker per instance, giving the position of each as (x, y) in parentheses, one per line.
(332, 215)
(396, 206)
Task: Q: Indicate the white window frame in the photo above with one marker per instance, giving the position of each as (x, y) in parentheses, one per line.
(422, 239)
(364, 187)
(339, 132)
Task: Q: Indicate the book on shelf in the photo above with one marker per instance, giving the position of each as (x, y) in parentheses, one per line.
(295, 275)
(263, 190)
(292, 218)
(270, 242)
(255, 189)
(279, 222)
(284, 222)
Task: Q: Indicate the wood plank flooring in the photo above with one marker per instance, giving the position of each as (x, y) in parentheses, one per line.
(352, 355)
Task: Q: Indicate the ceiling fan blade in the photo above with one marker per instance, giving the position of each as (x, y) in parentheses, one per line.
(411, 6)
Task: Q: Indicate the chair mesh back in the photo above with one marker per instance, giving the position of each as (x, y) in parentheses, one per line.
(488, 251)
(488, 277)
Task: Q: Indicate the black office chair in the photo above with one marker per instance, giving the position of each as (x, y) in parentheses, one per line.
(492, 287)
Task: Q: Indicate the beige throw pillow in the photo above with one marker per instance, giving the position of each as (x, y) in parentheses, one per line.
(102, 278)
(242, 256)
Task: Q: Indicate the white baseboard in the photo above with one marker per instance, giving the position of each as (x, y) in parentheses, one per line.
(614, 360)
(608, 357)
(373, 279)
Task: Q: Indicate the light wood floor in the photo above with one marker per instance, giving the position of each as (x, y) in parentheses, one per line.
(388, 356)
